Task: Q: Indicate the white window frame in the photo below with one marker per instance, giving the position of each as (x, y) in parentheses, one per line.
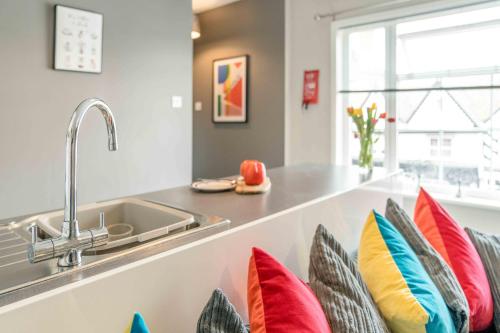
(387, 19)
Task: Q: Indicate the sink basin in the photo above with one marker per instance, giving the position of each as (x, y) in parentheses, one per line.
(156, 229)
(128, 221)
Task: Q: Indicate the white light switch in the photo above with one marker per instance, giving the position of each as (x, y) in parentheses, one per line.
(198, 106)
(176, 102)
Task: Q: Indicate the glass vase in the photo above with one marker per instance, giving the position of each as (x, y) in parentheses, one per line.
(366, 155)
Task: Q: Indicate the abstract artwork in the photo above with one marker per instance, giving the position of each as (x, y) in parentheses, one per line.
(230, 90)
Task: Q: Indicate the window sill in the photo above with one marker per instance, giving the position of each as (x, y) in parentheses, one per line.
(445, 195)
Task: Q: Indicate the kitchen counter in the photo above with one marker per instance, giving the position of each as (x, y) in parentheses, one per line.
(291, 187)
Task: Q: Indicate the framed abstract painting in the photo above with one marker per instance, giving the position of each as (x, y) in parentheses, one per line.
(230, 83)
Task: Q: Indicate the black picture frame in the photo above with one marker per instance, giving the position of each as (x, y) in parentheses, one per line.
(245, 91)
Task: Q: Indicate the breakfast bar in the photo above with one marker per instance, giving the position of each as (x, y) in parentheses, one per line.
(186, 269)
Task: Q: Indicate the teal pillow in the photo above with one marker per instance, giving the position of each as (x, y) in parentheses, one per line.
(399, 284)
(438, 270)
(138, 325)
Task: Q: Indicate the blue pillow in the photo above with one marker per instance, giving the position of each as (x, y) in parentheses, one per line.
(138, 325)
(405, 294)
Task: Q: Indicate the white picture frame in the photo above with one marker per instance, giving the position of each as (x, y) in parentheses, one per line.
(77, 40)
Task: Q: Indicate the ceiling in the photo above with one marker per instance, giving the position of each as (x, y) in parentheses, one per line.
(204, 5)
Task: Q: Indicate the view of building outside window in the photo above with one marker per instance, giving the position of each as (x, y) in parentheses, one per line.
(445, 136)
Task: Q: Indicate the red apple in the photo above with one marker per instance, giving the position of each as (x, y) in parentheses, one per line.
(244, 165)
(254, 172)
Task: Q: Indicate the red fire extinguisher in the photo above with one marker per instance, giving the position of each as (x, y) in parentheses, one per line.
(311, 88)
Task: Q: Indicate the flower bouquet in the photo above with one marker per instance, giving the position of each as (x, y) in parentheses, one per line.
(365, 124)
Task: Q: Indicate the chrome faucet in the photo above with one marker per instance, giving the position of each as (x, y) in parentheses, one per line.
(69, 246)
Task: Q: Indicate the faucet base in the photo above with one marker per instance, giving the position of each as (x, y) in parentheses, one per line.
(72, 258)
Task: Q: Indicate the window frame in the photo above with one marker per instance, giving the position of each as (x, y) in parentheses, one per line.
(342, 26)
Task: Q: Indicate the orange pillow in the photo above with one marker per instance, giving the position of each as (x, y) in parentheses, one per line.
(278, 301)
(451, 241)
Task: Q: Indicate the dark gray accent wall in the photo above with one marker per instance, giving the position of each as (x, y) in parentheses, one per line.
(147, 58)
(255, 28)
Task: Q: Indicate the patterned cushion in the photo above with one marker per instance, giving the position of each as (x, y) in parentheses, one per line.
(444, 279)
(220, 316)
(399, 284)
(488, 247)
(335, 279)
(449, 239)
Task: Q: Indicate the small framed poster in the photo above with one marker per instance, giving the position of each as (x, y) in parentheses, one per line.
(230, 90)
(77, 40)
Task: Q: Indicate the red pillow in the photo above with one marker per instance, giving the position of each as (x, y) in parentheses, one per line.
(451, 241)
(278, 301)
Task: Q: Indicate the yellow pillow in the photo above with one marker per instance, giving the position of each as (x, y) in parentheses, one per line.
(397, 281)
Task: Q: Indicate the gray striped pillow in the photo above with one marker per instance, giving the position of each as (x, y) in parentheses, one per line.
(335, 280)
(488, 247)
(440, 273)
(220, 316)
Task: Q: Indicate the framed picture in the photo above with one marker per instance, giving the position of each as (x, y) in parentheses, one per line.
(230, 90)
(77, 40)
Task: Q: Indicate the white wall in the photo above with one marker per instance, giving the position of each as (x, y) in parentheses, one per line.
(309, 132)
(147, 58)
(307, 137)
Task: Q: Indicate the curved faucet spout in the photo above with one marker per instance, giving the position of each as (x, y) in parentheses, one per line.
(70, 245)
(71, 157)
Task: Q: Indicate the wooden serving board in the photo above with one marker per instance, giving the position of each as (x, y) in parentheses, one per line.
(243, 188)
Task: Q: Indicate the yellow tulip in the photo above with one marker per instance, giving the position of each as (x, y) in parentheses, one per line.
(357, 112)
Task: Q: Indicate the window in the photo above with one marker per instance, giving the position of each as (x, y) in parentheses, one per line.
(435, 75)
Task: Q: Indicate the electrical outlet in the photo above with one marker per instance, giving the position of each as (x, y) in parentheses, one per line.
(176, 102)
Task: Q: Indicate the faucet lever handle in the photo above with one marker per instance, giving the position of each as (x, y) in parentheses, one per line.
(101, 220)
(100, 235)
(34, 233)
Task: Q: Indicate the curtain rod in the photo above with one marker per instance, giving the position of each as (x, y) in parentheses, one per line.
(332, 15)
(387, 5)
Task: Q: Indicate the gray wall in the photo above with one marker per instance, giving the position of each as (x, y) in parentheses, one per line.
(256, 28)
(147, 58)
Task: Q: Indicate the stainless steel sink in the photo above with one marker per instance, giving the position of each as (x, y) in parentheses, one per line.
(157, 228)
(128, 221)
